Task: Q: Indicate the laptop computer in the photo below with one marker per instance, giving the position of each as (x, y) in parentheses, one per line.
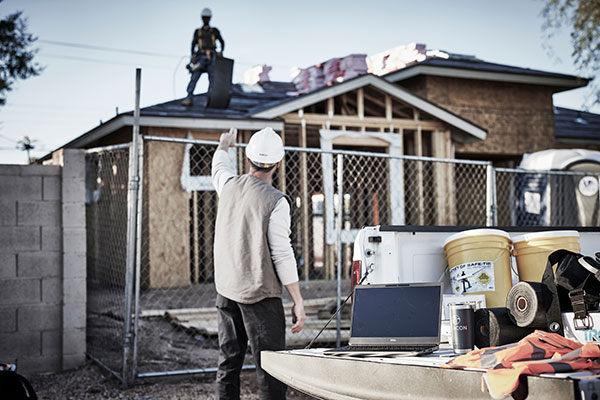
(398, 318)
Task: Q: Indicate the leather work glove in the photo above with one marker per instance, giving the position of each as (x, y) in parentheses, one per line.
(227, 140)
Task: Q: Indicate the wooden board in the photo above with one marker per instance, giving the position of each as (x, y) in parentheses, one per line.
(204, 321)
(168, 217)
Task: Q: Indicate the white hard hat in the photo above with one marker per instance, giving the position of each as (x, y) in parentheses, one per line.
(206, 13)
(265, 148)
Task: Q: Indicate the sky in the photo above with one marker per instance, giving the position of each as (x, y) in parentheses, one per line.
(90, 50)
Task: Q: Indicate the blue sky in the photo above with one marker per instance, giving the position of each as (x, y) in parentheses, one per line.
(81, 87)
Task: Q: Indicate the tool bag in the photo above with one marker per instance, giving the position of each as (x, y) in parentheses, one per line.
(13, 385)
(577, 281)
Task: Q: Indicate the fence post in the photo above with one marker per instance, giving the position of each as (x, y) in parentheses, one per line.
(340, 217)
(490, 196)
(133, 187)
(138, 257)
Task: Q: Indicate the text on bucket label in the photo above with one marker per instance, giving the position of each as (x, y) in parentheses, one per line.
(476, 276)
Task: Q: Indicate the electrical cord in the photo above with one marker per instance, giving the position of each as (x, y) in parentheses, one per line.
(369, 270)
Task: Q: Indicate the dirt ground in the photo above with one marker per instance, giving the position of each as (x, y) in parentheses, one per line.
(91, 382)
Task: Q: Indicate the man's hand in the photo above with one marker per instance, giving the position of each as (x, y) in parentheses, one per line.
(298, 317)
(227, 140)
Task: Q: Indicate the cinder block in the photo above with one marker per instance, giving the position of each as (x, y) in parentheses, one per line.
(40, 264)
(73, 163)
(52, 238)
(72, 361)
(74, 240)
(8, 212)
(10, 169)
(23, 188)
(32, 365)
(74, 291)
(8, 266)
(52, 343)
(73, 190)
(20, 291)
(36, 213)
(74, 341)
(39, 318)
(74, 265)
(19, 238)
(74, 316)
(51, 189)
(8, 319)
(18, 344)
(44, 170)
(73, 215)
(52, 290)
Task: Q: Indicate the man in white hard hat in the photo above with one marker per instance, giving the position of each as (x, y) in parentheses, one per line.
(204, 51)
(253, 259)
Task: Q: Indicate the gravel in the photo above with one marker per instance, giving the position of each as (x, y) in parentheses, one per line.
(91, 382)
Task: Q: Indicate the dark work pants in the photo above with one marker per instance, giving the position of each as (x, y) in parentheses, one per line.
(206, 65)
(262, 325)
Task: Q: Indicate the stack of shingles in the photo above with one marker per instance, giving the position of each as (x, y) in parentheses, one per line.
(330, 72)
(309, 79)
(257, 74)
(396, 58)
(353, 65)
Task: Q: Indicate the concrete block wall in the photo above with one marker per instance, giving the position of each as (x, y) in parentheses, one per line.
(42, 265)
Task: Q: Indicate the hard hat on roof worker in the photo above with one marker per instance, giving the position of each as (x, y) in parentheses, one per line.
(206, 13)
(265, 148)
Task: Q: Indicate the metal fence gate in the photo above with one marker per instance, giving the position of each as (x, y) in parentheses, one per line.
(333, 194)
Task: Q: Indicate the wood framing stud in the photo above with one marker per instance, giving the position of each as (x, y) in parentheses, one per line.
(388, 107)
(360, 103)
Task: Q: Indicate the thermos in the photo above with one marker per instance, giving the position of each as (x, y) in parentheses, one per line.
(462, 325)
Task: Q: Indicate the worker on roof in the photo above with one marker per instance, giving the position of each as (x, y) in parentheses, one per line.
(204, 52)
(253, 259)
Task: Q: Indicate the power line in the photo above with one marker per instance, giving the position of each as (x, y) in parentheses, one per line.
(129, 51)
(9, 139)
(106, 48)
(96, 60)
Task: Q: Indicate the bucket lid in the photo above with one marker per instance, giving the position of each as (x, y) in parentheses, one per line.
(544, 235)
(476, 232)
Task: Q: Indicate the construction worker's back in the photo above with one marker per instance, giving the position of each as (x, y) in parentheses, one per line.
(244, 271)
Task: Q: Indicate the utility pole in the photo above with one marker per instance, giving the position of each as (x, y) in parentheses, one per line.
(26, 145)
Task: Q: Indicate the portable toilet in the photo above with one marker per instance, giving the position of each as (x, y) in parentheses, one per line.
(559, 200)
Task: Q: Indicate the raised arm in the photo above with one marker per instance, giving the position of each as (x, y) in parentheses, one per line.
(221, 167)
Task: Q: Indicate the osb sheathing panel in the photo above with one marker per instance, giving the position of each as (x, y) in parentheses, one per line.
(169, 212)
(519, 118)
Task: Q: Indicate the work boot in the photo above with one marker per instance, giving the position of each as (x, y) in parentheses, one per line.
(187, 101)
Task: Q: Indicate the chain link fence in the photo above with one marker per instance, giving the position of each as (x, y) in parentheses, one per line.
(175, 323)
(106, 179)
(548, 198)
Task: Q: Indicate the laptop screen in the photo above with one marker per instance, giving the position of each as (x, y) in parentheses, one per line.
(408, 312)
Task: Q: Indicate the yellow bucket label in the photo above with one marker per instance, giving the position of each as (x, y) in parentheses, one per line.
(476, 276)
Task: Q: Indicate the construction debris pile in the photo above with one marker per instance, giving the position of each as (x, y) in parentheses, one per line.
(344, 68)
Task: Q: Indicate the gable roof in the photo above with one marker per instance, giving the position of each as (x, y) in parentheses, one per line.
(575, 125)
(473, 68)
(293, 104)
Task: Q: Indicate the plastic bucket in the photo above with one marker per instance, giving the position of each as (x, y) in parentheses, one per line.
(531, 251)
(479, 263)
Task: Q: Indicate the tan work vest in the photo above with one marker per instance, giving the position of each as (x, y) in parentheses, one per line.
(244, 271)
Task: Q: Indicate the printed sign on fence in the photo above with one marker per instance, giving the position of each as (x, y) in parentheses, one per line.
(476, 276)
